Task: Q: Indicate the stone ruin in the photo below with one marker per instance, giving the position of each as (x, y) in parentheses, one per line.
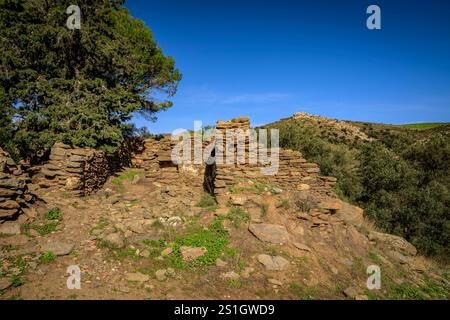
(14, 194)
(77, 170)
(82, 171)
(294, 172)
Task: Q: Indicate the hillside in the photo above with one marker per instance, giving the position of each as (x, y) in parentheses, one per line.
(152, 232)
(398, 174)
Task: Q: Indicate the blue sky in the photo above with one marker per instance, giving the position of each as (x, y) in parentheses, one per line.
(269, 59)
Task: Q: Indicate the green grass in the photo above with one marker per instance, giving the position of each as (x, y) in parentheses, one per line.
(126, 175)
(53, 214)
(48, 257)
(16, 281)
(46, 228)
(424, 126)
(214, 239)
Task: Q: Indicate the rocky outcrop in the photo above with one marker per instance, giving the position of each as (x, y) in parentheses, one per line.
(14, 193)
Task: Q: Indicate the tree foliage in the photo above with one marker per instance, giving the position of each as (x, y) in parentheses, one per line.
(76, 86)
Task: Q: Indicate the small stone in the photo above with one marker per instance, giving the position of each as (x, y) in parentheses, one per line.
(220, 263)
(137, 277)
(161, 275)
(247, 272)
(275, 263)
(361, 297)
(115, 240)
(191, 253)
(302, 247)
(275, 282)
(144, 254)
(303, 187)
(231, 275)
(166, 252)
(351, 292)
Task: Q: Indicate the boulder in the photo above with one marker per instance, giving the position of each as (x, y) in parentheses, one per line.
(394, 242)
(351, 214)
(10, 228)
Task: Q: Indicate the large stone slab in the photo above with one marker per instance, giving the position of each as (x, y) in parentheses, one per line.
(272, 233)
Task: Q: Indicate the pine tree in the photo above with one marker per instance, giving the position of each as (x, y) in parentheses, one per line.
(77, 86)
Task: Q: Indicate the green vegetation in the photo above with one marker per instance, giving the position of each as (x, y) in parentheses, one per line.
(16, 281)
(126, 175)
(208, 202)
(425, 125)
(46, 228)
(237, 216)
(53, 214)
(214, 240)
(48, 257)
(400, 177)
(76, 86)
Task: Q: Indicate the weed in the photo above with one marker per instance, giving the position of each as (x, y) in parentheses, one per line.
(214, 239)
(375, 258)
(48, 257)
(16, 281)
(207, 201)
(53, 214)
(284, 203)
(126, 175)
(237, 216)
(46, 228)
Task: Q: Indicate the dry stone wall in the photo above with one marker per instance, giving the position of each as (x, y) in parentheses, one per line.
(78, 170)
(14, 193)
(294, 172)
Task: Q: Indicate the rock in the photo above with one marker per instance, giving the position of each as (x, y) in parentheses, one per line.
(166, 252)
(395, 242)
(272, 233)
(247, 272)
(220, 263)
(137, 277)
(115, 240)
(231, 275)
(5, 283)
(351, 292)
(136, 226)
(58, 248)
(274, 263)
(191, 253)
(161, 275)
(144, 254)
(361, 297)
(351, 214)
(303, 187)
(276, 190)
(330, 204)
(238, 200)
(302, 247)
(10, 228)
(15, 240)
(418, 266)
(73, 183)
(275, 282)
